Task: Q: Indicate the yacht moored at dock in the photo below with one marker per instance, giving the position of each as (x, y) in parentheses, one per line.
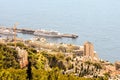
(46, 33)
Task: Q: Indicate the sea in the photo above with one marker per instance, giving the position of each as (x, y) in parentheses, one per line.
(97, 21)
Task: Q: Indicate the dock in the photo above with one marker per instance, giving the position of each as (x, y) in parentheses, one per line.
(70, 35)
(31, 32)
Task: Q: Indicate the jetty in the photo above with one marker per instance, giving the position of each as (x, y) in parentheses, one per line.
(43, 33)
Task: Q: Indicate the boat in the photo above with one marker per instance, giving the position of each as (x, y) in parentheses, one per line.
(6, 32)
(45, 33)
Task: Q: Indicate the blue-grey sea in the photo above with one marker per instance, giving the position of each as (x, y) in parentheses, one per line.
(97, 21)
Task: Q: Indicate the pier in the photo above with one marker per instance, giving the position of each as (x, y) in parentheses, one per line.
(44, 34)
(70, 35)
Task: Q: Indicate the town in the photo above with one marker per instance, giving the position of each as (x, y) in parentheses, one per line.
(82, 61)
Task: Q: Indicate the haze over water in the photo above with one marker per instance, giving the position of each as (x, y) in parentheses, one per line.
(97, 21)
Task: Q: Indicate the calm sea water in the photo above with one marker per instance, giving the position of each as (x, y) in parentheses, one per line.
(97, 21)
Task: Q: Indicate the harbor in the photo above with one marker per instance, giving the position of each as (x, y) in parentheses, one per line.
(39, 33)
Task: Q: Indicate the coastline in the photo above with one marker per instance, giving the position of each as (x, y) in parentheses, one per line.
(78, 55)
(101, 51)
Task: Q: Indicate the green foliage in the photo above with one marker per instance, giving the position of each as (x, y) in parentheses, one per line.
(68, 59)
(97, 65)
(88, 62)
(10, 44)
(5, 75)
(106, 75)
(40, 61)
(31, 51)
(37, 59)
(8, 57)
(54, 74)
(62, 49)
(18, 44)
(39, 74)
(12, 74)
(60, 55)
(54, 60)
(33, 56)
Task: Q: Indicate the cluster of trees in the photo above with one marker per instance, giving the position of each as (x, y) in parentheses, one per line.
(8, 57)
(54, 74)
(13, 74)
(90, 68)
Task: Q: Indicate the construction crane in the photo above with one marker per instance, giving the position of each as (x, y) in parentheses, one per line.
(15, 33)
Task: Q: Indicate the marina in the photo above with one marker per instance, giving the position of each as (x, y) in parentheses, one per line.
(41, 32)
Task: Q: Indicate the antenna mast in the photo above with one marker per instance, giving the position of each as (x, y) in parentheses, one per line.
(15, 33)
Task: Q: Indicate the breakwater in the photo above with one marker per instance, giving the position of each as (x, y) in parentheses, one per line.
(40, 33)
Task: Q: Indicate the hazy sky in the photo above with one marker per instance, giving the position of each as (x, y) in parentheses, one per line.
(91, 12)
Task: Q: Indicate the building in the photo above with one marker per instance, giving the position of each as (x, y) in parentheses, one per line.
(89, 50)
(23, 57)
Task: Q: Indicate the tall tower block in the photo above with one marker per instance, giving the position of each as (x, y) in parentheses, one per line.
(89, 50)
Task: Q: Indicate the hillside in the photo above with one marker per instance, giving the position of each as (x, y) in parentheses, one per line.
(40, 60)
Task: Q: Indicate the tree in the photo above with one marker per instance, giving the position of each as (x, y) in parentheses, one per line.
(29, 70)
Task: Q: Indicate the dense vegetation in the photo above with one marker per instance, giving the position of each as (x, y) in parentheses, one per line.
(8, 57)
(37, 68)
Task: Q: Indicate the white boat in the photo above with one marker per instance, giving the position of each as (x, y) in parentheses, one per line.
(6, 32)
(46, 33)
